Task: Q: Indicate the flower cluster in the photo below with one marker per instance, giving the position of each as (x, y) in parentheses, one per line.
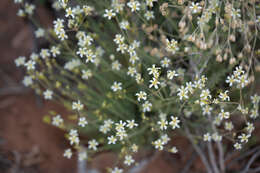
(128, 70)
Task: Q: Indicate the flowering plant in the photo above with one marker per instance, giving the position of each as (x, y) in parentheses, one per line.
(135, 73)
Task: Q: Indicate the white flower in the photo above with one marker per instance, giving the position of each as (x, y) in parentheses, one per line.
(131, 71)
(150, 2)
(73, 137)
(27, 81)
(48, 94)
(116, 65)
(149, 15)
(93, 144)
(124, 25)
(134, 5)
(116, 86)
(82, 155)
(128, 160)
(20, 61)
(171, 74)
(67, 153)
(207, 137)
(224, 96)
(70, 12)
(117, 170)
(55, 51)
(82, 121)
(237, 146)
(39, 33)
(57, 120)
(147, 106)
(77, 106)
(174, 150)
(182, 93)
(163, 124)
(45, 53)
(250, 127)
(159, 144)
(119, 39)
(131, 124)
(165, 62)
(174, 122)
(230, 80)
(165, 138)
(109, 14)
(111, 139)
(244, 138)
(154, 70)
(30, 65)
(154, 83)
(141, 95)
(235, 13)
(229, 126)
(86, 74)
(223, 115)
(134, 148)
(82, 52)
(172, 46)
(120, 126)
(195, 7)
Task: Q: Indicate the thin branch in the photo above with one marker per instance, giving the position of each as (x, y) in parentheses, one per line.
(212, 157)
(189, 163)
(197, 149)
(249, 163)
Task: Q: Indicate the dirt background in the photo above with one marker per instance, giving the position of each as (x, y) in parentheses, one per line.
(27, 145)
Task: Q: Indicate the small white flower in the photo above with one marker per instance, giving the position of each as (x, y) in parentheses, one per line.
(195, 7)
(134, 5)
(57, 120)
(93, 144)
(163, 124)
(111, 139)
(70, 12)
(158, 144)
(238, 146)
(82, 121)
(109, 14)
(116, 86)
(30, 65)
(27, 81)
(48, 94)
(82, 155)
(20, 61)
(149, 15)
(244, 138)
(131, 124)
(165, 62)
(147, 106)
(116, 65)
(224, 96)
(39, 33)
(174, 150)
(154, 83)
(141, 96)
(77, 106)
(117, 170)
(171, 74)
(174, 122)
(128, 160)
(223, 115)
(207, 137)
(67, 153)
(172, 46)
